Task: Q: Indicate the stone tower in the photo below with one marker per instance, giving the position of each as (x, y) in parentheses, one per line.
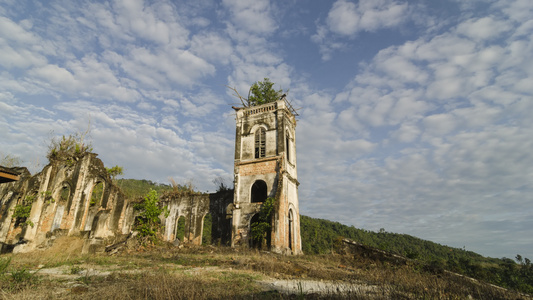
(265, 166)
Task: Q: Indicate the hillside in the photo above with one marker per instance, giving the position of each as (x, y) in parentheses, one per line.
(322, 237)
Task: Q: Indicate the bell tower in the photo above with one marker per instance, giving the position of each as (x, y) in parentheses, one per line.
(265, 167)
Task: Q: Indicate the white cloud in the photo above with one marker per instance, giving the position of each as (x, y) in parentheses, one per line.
(212, 47)
(486, 28)
(251, 15)
(348, 18)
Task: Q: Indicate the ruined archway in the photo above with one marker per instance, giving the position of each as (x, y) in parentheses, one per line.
(64, 196)
(180, 229)
(97, 194)
(207, 229)
(259, 191)
(254, 242)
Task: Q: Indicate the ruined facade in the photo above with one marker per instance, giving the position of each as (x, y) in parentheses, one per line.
(75, 198)
(193, 208)
(265, 166)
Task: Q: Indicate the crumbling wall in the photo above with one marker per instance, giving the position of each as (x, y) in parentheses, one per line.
(75, 198)
(194, 207)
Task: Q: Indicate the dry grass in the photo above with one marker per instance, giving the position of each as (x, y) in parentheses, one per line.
(221, 273)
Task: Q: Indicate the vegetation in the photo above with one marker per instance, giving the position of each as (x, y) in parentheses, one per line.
(115, 171)
(319, 237)
(206, 230)
(9, 160)
(68, 149)
(134, 188)
(147, 223)
(22, 211)
(98, 192)
(263, 92)
(225, 273)
(261, 229)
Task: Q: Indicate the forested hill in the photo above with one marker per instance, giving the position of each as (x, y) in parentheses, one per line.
(320, 236)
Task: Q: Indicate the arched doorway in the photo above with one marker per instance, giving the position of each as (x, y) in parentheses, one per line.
(254, 240)
(206, 229)
(179, 233)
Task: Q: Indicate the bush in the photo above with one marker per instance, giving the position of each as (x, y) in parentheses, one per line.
(68, 149)
(148, 223)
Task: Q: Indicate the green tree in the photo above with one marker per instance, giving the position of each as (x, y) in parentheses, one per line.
(261, 228)
(115, 171)
(263, 92)
(147, 223)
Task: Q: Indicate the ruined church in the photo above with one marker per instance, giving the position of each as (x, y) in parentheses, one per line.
(78, 198)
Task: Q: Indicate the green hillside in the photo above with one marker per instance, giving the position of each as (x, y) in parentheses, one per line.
(319, 237)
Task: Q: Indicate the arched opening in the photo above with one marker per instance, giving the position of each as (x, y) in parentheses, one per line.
(180, 229)
(206, 230)
(64, 195)
(97, 194)
(288, 147)
(259, 191)
(260, 143)
(254, 240)
(291, 228)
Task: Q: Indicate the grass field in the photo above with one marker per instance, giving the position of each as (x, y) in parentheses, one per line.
(166, 272)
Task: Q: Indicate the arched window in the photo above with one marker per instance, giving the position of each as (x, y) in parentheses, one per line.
(97, 194)
(288, 147)
(207, 229)
(260, 143)
(65, 194)
(259, 191)
(291, 228)
(180, 229)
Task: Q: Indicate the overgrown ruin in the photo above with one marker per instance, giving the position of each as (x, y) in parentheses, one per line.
(76, 197)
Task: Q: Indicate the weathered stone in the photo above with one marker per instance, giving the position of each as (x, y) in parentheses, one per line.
(78, 198)
(62, 203)
(265, 156)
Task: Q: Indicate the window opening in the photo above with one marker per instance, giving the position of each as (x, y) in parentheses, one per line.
(65, 194)
(259, 191)
(206, 230)
(291, 225)
(287, 148)
(254, 243)
(260, 143)
(96, 196)
(180, 229)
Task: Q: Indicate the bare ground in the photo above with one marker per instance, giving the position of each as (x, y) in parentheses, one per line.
(167, 272)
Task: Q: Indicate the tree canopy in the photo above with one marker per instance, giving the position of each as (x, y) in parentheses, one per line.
(262, 92)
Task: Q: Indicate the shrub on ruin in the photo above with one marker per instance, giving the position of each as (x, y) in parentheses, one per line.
(68, 149)
(261, 228)
(148, 223)
(262, 92)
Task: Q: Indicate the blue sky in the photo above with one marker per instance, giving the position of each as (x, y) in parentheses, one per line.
(414, 115)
